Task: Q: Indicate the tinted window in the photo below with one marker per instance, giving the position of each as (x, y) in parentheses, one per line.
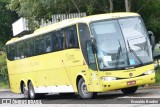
(72, 40)
(84, 35)
(31, 47)
(48, 42)
(55, 42)
(91, 58)
(36, 46)
(41, 45)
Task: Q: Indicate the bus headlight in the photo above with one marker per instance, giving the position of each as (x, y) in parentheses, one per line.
(149, 72)
(108, 78)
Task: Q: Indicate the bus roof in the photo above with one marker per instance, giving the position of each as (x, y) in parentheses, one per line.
(70, 22)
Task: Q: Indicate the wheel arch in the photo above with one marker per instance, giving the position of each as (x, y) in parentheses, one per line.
(21, 86)
(78, 78)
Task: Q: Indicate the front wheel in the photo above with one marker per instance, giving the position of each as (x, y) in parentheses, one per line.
(82, 90)
(129, 90)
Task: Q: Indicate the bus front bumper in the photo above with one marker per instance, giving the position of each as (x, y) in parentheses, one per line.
(124, 83)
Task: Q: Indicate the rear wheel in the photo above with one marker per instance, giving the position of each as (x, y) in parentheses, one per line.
(32, 93)
(83, 91)
(129, 90)
(25, 91)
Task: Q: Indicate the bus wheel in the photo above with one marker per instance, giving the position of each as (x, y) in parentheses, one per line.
(129, 90)
(32, 93)
(25, 91)
(82, 90)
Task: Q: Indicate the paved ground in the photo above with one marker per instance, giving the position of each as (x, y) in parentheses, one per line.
(112, 97)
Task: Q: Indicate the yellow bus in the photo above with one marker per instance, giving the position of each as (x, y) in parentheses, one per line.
(86, 55)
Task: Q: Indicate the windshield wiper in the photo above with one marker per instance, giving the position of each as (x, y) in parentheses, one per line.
(118, 54)
(131, 50)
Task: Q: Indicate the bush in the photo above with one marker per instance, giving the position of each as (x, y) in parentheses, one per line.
(3, 69)
(158, 75)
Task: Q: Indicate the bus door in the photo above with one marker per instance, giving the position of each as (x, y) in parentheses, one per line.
(93, 67)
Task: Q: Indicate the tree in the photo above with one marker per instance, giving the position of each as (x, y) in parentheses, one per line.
(35, 10)
(127, 5)
(6, 19)
(111, 5)
(3, 68)
(149, 10)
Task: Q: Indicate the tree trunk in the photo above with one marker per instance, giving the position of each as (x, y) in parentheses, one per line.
(127, 5)
(111, 5)
(75, 6)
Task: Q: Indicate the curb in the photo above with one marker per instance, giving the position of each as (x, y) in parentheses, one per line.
(2, 90)
(151, 87)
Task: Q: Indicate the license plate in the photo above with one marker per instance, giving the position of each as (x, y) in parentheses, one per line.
(131, 82)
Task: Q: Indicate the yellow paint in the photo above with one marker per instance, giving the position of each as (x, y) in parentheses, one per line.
(63, 67)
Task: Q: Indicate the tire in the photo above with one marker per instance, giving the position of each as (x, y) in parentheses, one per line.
(82, 90)
(32, 93)
(25, 91)
(129, 90)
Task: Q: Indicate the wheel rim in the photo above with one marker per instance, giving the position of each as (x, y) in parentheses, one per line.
(84, 88)
(25, 91)
(31, 91)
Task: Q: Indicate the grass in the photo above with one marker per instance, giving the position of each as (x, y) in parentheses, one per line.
(158, 75)
(4, 85)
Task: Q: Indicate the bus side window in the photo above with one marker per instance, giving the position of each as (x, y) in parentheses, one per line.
(18, 50)
(36, 46)
(27, 49)
(60, 34)
(24, 45)
(13, 50)
(55, 42)
(48, 44)
(72, 39)
(41, 45)
(63, 34)
(21, 50)
(31, 47)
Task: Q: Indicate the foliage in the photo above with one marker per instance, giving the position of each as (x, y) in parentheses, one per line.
(43, 9)
(6, 19)
(3, 68)
(158, 75)
(150, 12)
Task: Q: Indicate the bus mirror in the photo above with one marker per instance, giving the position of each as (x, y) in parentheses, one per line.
(93, 44)
(152, 39)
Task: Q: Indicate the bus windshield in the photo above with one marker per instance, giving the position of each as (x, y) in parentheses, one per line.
(121, 43)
